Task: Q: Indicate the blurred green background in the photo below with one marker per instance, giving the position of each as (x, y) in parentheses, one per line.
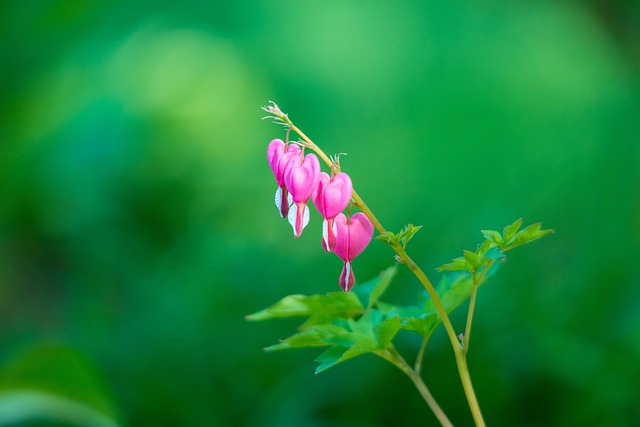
(137, 225)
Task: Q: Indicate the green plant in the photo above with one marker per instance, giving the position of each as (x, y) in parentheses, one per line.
(354, 323)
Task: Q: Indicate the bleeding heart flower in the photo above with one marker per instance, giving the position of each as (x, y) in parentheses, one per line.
(352, 237)
(332, 195)
(301, 178)
(278, 155)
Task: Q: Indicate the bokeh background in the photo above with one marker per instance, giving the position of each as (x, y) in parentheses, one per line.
(137, 225)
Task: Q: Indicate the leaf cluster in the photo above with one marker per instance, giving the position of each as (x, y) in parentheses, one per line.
(400, 239)
(356, 323)
(494, 246)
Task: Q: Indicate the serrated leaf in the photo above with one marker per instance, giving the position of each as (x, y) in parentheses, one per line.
(314, 336)
(330, 357)
(453, 290)
(325, 306)
(382, 285)
(493, 253)
(492, 236)
(405, 312)
(472, 258)
(340, 353)
(385, 331)
(360, 337)
(424, 324)
(389, 238)
(510, 231)
(457, 264)
(483, 248)
(528, 234)
(407, 233)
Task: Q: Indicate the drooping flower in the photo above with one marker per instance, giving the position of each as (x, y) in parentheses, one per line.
(301, 178)
(332, 195)
(352, 237)
(278, 155)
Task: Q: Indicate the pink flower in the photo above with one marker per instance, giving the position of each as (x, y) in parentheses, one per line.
(301, 178)
(352, 237)
(332, 195)
(278, 155)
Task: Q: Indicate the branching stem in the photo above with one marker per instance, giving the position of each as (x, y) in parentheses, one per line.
(391, 355)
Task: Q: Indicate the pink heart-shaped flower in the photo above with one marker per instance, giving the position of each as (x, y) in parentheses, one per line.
(278, 155)
(301, 178)
(352, 237)
(332, 195)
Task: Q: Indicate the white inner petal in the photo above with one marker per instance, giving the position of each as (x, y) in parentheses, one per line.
(325, 232)
(293, 213)
(347, 276)
(278, 200)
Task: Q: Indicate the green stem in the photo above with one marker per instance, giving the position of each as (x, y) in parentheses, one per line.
(476, 282)
(463, 370)
(418, 365)
(472, 305)
(458, 352)
(404, 257)
(392, 356)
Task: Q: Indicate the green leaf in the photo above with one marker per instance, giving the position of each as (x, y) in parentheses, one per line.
(457, 264)
(402, 238)
(371, 291)
(453, 290)
(320, 307)
(472, 258)
(369, 334)
(386, 330)
(341, 353)
(389, 238)
(407, 233)
(484, 248)
(57, 384)
(510, 231)
(330, 357)
(492, 236)
(528, 234)
(313, 336)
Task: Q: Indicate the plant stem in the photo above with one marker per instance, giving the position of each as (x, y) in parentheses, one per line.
(458, 352)
(472, 305)
(460, 355)
(420, 356)
(463, 370)
(476, 282)
(392, 356)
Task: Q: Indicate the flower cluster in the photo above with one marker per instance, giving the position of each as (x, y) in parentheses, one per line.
(299, 179)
